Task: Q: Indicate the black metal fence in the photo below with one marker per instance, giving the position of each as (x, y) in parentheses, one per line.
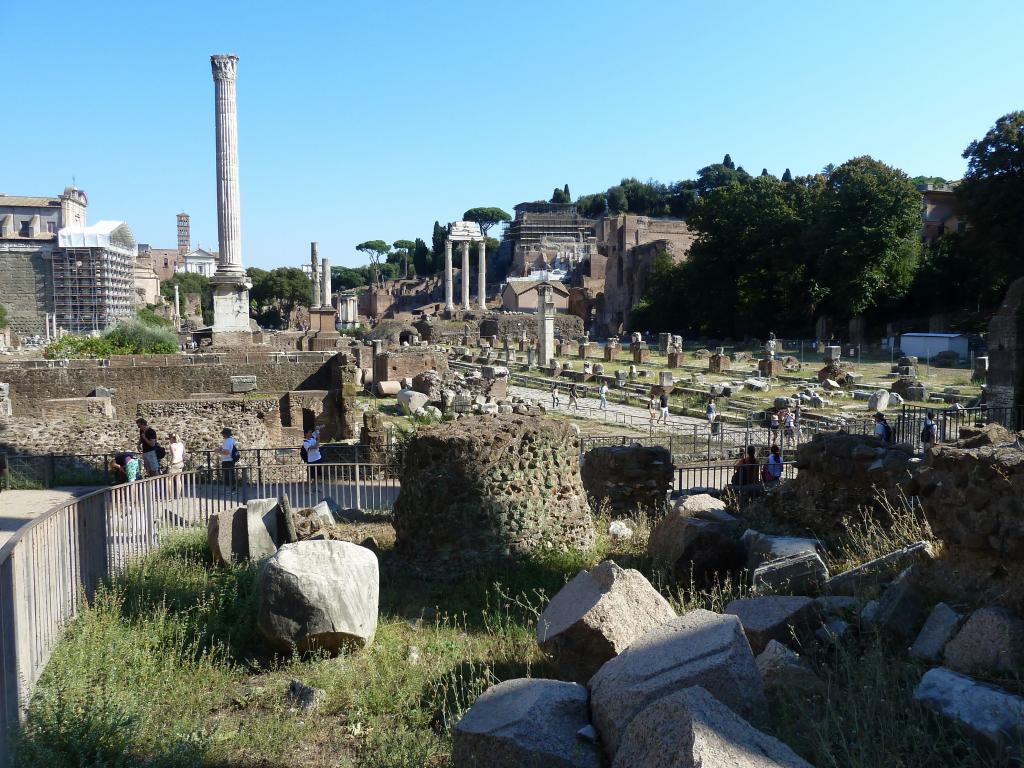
(949, 421)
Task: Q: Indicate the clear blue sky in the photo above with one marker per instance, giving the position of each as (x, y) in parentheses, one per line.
(366, 120)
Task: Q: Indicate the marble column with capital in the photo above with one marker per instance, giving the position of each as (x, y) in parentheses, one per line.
(465, 275)
(449, 290)
(481, 275)
(230, 283)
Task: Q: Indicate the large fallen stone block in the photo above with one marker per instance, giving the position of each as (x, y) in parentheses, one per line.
(801, 574)
(990, 642)
(523, 723)
(872, 574)
(263, 519)
(993, 717)
(785, 674)
(411, 401)
(696, 538)
(900, 609)
(319, 595)
(762, 547)
(700, 648)
(692, 729)
(938, 629)
(596, 616)
(227, 535)
(772, 618)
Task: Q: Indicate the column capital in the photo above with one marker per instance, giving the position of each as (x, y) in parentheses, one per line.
(224, 65)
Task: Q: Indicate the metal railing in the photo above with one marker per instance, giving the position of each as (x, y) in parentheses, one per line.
(55, 561)
(726, 474)
(949, 420)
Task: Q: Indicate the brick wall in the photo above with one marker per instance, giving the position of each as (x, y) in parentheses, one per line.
(26, 284)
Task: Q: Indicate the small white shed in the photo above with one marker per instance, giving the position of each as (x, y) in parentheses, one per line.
(928, 345)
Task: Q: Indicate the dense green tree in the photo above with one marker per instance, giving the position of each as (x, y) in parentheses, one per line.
(287, 287)
(711, 177)
(787, 176)
(346, 278)
(568, 195)
(190, 282)
(866, 236)
(617, 202)
(645, 198)
(376, 251)
(421, 258)
(682, 196)
(403, 255)
(764, 171)
(487, 217)
(559, 196)
(991, 196)
(728, 163)
(437, 241)
(593, 206)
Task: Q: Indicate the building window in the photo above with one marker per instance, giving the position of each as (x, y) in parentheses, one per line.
(23, 232)
(51, 227)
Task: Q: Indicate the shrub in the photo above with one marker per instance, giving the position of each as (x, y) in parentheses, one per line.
(131, 338)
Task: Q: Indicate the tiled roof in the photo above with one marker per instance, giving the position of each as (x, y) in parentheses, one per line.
(18, 201)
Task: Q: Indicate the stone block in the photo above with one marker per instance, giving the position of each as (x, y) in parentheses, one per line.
(878, 400)
(227, 535)
(696, 538)
(990, 642)
(411, 401)
(387, 388)
(700, 648)
(319, 595)
(263, 518)
(526, 722)
(938, 629)
(785, 674)
(596, 616)
(800, 574)
(773, 618)
(693, 729)
(763, 547)
(876, 572)
(993, 717)
(900, 609)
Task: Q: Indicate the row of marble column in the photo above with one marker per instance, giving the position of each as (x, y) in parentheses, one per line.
(449, 299)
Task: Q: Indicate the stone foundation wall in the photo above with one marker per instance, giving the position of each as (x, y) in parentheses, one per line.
(629, 478)
(513, 324)
(157, 377)
(401, 363)
(26, 284)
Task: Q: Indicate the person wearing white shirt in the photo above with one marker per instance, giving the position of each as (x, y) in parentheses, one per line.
(228, 456)
(311, 447)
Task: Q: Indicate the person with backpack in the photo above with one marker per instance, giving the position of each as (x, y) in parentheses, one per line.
(151, 450)
(573, 394)
(883, 431)
(229, 456)
(603, 394)
(929, 432)
(310, 452)
(789, 426)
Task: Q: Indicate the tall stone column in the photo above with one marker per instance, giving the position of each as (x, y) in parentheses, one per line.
(325, 284)
(314, 275)
(230, 284)
(481, 276)
(465, 275)
(449, 290)
(545, 325)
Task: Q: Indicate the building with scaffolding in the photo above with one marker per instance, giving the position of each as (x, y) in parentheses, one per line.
(94, 276)
(545, 236)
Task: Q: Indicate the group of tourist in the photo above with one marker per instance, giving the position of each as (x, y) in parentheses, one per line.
(748, 470)
(788, 421)
(574, 394)
(657, 408)
(132, 465)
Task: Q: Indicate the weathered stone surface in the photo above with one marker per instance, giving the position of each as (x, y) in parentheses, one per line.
(772, 618)
(972, 497)
(596, 616)
(785, 674)
(801, 574)
(387, 388)
(696, 538)
(992, 716)
(938, 629)
(243, 383)
(526, 723)
(879, 400)
(700, 648)
(410, 400)
(762, 547)
(325, 512)
(476, 489)
(319, 594)
(900, 609)
(990, 642)
(693, 729)
(876, 572)
(263, 518)
(628, 477)
(227, 535)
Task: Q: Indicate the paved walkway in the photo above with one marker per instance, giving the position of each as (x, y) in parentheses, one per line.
(18, 507)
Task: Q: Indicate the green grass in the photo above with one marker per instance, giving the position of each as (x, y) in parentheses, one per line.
(166, 668)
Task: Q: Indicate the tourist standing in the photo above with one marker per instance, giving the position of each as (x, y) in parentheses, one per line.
(149, 447)
(745, 469)
(882, 429)
(311, 452)
(554, 397)
(663, 402)
(929, 432)
(773, 426)
(774, 467)
(711, 414)
(573, 394)
(229, 456)
(603, 393)
(177, 462)
(652, 408)
(789, 427)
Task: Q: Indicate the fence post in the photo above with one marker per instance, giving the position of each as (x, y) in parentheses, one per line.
(355, 480)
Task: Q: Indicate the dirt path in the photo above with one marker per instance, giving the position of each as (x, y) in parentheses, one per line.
(18, 507)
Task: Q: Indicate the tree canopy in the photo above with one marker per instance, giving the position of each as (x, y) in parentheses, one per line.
(376, 251)
(285, 287)
(488, 217)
